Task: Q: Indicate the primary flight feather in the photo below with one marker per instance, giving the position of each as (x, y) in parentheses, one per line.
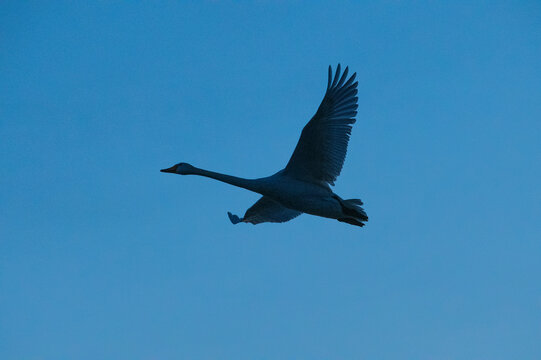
(303, 186)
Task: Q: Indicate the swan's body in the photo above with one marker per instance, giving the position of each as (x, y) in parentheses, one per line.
(303, 185)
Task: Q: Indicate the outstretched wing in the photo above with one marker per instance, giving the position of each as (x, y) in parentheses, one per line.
(322, 147)
(265, 210)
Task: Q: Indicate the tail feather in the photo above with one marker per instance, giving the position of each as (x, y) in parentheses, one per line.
(351, 221)
(352, 208)
(354, 201)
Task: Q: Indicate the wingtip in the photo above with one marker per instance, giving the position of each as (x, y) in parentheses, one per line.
(336, 76)
(343, 77)
(233, 218)
(330, 78)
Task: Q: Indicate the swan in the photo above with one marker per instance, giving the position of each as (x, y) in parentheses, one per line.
(303, 186)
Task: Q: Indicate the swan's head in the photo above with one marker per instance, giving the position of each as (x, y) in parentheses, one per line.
(180, 168)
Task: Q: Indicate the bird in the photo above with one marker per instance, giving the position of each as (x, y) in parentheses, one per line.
(304, 185)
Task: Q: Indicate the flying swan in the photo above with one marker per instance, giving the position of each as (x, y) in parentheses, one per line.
(303, 185)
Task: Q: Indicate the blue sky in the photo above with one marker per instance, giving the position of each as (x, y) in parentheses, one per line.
(104, 257)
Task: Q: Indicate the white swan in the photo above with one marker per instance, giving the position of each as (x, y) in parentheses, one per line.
(303, 185)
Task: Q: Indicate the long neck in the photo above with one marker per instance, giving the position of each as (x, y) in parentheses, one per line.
(248, 184)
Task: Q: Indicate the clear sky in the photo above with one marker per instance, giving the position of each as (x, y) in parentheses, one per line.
(104, 257)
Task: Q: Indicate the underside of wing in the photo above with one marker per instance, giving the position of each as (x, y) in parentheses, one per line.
(265, 210)
(322, 147)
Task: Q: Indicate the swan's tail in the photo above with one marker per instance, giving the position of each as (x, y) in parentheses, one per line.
(355, 214)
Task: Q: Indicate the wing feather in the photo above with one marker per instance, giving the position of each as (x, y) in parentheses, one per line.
(266, 210)
(322, 147)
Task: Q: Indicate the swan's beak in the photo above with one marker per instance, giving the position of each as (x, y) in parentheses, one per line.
(172, 169)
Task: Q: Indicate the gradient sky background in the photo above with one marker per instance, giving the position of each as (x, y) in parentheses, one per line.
(104, 257)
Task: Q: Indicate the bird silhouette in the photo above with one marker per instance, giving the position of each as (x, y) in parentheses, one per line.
(303, 186)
